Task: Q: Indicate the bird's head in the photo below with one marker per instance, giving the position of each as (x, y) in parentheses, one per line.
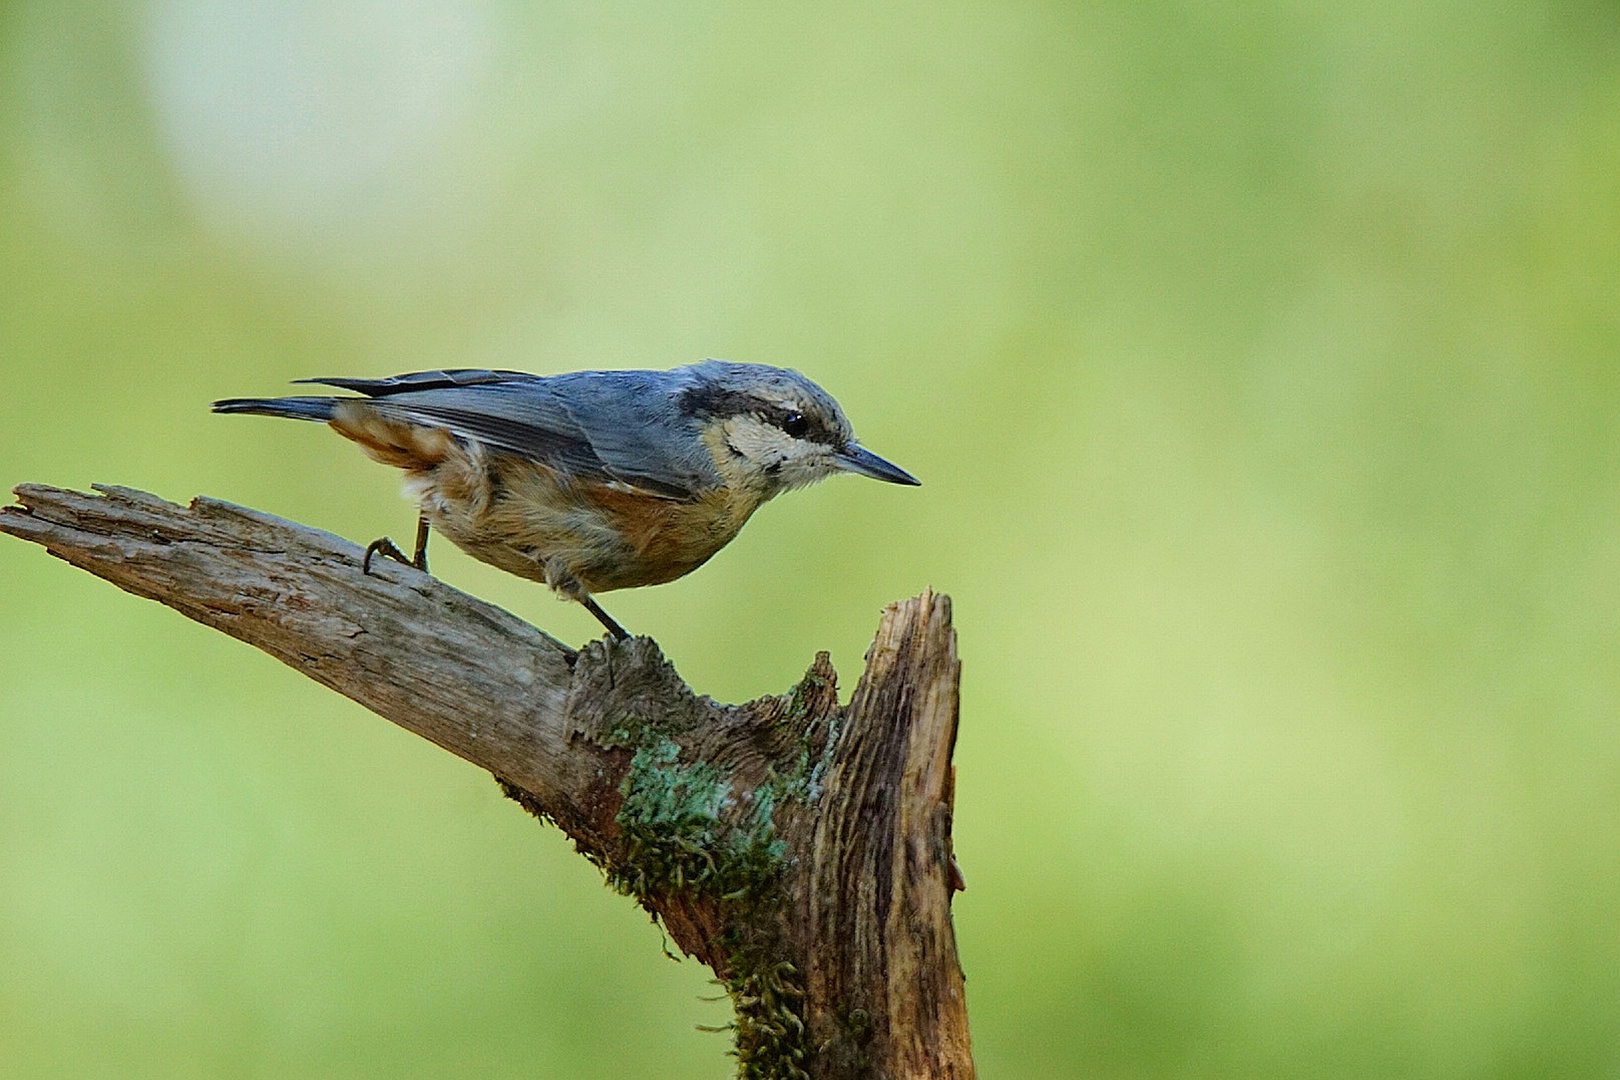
(773, 430)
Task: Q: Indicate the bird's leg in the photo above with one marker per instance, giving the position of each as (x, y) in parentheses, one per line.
(612, 624)
(420, 560)
(562, 579)
(390, 550)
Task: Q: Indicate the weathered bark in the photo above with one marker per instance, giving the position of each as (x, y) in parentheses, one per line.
(800, 848)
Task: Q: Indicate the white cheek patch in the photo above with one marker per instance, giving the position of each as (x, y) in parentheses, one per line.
(758, 441)
(788, 462)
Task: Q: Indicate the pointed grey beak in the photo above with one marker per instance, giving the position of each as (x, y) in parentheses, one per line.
(858, 459)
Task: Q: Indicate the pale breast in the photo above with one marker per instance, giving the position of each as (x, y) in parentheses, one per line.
(516, 514)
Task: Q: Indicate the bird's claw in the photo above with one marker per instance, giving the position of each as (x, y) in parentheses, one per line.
(387, 549)
(390, 550)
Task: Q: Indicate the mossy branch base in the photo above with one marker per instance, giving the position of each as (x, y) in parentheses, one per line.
(800, 848)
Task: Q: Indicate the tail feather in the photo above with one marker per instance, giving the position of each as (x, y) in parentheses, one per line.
(296, 408)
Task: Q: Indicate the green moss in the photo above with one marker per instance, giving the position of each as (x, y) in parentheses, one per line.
(684, 831)
(768, 995)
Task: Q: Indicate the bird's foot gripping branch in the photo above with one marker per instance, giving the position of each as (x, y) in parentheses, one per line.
(800, 848)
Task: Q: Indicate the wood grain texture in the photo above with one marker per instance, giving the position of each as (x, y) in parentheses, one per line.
(800, 848)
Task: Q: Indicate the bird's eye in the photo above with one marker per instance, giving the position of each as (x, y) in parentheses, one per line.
(795, 424)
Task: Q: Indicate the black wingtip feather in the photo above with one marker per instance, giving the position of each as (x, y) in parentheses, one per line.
(420, 380)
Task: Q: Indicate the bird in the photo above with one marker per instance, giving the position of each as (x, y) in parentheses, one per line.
(589, 481)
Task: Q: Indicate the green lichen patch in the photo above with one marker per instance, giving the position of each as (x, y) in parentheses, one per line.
(684, 831)
(675, 839)
(802, 698)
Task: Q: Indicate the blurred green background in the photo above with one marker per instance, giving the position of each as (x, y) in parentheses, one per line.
(1259, 361)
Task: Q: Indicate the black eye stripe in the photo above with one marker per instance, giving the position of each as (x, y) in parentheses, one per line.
(796, 425)
(710, 402)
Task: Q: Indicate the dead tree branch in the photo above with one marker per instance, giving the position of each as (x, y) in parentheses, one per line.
(800, 848)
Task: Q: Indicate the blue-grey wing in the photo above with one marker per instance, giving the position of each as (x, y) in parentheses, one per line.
(622, 426)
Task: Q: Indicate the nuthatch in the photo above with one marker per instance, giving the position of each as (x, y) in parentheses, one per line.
(593, 480)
